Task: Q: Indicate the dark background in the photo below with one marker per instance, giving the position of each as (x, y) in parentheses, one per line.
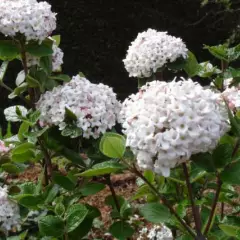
(96, 34)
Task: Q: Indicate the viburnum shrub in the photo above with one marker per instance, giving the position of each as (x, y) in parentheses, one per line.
(180, 139)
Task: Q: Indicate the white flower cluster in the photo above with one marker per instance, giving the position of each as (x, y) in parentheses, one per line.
(9, 211)
(150, 51)
(11, 114)
(231, 94)
(34, 20)
(57, 59)
(166, 123)
(95, 106)
(156, 233)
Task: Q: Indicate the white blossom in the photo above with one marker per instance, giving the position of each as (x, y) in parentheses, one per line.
(33, 20)
(57, 59)
(165, 123)
(150, 51)
(11, 114)
(9, 211)
(155, 233)
(231, 94)
(95, 106)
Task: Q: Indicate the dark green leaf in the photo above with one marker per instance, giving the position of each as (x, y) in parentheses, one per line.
(40, 50)
(63, 181)
(51, 193)
(155, 212)
(70, 116)
(191, 67)
(30, 201)
(8, 50)
(11, 168)
(222, 155)
(61, 77)
(121, 230)
(51, 226)
(33, 83)
(75, 215)
(23, 148)
(231, 174)
(23, 130)
(26, 156)
(92, 188)
(46, 64)
(219, 51)
(59, 209)
(113, 145)
(102, 169)
(204, 161)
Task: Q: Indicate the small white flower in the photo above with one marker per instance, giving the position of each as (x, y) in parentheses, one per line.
(150, 51)
(166, 123)
(11, 115)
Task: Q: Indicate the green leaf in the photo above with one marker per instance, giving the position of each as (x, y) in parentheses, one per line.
(11, 168)
(63, 181)
(51, 193)
(46, 64)
(72, 156)
(82, 230)
(204, 161)
(40, 50)
(30, 201)
(92, 188)
(51, 226)
(59, 209)
(121, 230)
(155, 212)
(72, 131)
(18, 90)
(69, 115)
(229, 230)
(222, 155)
(99, 169)
(61, 77)
(231, 174)
(57, 39)
(191, 67)
(23, 130)
(219, 51)
(3, 70)
(126, 210)
(33, 83)
(75, 215)
(81, 74)
(149, 175)
(23, 148)
(8, 50)
(23, 157)
(113, 145)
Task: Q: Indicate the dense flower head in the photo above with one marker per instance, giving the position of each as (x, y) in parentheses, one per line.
(11, 113)
(150, 51)
(57, 59)
(95, 106)
(34, 20)
(9, 211)
(165, 123)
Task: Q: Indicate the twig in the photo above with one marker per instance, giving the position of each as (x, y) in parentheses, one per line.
(195, 210)
(214, 205)
(109, 183)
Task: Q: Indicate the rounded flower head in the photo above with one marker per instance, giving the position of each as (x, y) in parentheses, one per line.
(34, 20)
(95, 106)
(150, 51)
(166, 123)
(9, 211)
